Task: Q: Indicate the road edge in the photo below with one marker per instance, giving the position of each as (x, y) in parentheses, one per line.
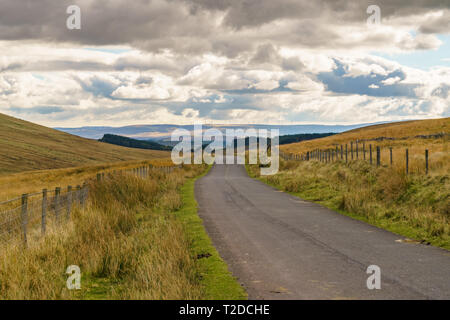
(217, 281)
(404, 231)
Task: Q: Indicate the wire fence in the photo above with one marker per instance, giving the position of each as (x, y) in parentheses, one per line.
(356, 151)
(32, 214)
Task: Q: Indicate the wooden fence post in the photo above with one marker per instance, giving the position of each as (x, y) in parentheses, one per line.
(370, 153)
(357, 153)
(69, 202)
(426, 161)
(364, 151)
(83, 194)
(346, 153)
(78, 195)
(407, 161)
(342, 152)
(351, 149)
(44, 211)
(24, 216)
(390, 155)
(57, 202)
(378, 156)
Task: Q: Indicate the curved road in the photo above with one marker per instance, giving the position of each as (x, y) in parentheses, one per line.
(281, 247)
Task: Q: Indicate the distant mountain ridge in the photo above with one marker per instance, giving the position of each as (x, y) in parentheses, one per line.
(133, 143)
(163, 131)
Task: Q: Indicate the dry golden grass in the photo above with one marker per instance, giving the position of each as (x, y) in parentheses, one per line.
(126, 242)
(14, 185)
(26, 146)
(439, 155)
(414, 205)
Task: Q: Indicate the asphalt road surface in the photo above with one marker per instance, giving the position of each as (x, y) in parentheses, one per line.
(281, 247)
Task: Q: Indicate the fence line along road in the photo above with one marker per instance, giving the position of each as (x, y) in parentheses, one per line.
(339, 153)
(32, 213)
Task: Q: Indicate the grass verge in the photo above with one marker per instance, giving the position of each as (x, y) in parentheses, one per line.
(128, 243)
(217, 282)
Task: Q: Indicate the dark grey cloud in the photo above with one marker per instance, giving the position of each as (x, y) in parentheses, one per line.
(11, 67)
(292, 63)
(217, 59)
(189, 26)
(37, 109)
(244, 13)
(266, 53)
(144, 80)
(439, 24)
(98, 86)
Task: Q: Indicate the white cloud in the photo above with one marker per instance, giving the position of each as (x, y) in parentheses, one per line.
(391, 81)
(252, 61)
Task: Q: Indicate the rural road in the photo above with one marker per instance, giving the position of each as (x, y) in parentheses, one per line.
(280, 247)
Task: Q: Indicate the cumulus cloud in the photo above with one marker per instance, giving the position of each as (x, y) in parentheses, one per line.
(227, 61)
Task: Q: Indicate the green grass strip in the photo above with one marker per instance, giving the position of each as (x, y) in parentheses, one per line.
(216, 279)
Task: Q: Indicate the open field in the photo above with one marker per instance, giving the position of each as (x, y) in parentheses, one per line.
(136, 238)
(415, 205)
(13, 185)
(404, 134)
(394, 130)
(129, 243)
(26, 146)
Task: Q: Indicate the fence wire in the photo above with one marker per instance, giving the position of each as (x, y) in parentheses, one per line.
(33, 214)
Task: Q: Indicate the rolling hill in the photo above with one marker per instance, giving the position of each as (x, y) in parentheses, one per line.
(400, 133)
(27, 146)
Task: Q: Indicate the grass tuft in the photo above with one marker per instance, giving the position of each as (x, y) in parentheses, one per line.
(416, 206)
(128, 243)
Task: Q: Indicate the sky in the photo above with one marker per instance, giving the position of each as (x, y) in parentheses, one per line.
(224, 61)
